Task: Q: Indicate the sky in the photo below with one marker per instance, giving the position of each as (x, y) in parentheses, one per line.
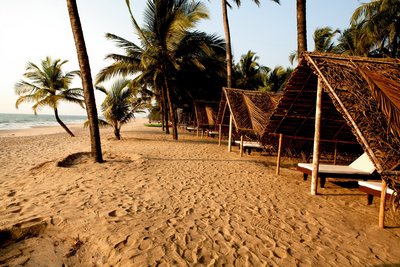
(31, 30)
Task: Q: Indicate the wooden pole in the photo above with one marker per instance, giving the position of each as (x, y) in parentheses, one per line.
(241, 146)
(230, 133)
(219, 134)
(317, 136)
(382, 205)
(278, 161)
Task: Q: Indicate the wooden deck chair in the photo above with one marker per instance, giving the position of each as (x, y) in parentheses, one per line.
(373, 189)
(249, 145)
(362, 168)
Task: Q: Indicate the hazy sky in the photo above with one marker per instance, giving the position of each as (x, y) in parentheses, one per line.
(31, 30)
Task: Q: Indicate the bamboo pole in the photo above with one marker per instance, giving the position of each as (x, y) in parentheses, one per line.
(382, 205)
(241, 146)
(278, 160)
(230, 133)
(219, 134)
(317, 136)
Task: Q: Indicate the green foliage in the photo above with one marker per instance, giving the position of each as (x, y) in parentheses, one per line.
(121, 104)
(248, 73)
(47, 85)
(378, 27)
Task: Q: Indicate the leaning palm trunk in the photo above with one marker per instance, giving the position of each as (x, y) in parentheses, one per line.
(62, 123)
(171, 109)
(86, 80)
(301, 28)
(228, 44)
(117, 132)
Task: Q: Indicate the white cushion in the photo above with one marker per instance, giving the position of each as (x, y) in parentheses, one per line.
(361, 165)
(374, 186)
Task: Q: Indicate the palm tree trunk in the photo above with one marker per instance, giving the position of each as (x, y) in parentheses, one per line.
(165, 109)
(87, 83)
(161, 104)
(301, 28)
(117, 133)
(171, 110)
(228, 44)
(62, 124)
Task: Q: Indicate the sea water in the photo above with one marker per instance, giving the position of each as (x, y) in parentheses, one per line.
(25, 121)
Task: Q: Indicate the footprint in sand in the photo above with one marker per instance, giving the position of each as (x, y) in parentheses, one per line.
(280, 253)
(145, 244)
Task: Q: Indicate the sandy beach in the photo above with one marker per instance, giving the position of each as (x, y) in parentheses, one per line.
(158, 202)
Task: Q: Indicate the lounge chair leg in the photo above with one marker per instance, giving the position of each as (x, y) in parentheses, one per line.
(370, 198)
(322, 182)
(305, 176)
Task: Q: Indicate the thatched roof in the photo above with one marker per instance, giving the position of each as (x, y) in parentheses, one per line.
(361, 102)
(206, 113)
(250, 109)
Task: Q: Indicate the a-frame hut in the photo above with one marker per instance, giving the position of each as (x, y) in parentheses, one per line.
(246, 111)
(330, 96)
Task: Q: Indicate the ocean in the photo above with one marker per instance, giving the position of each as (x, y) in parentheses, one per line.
(25, 121)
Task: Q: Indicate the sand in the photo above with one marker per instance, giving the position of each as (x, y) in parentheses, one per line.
(158, 202)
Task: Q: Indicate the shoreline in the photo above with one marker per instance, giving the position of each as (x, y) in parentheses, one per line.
(39, 130)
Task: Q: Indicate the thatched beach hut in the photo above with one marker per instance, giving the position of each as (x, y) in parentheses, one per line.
(341, 99)
(245, 111)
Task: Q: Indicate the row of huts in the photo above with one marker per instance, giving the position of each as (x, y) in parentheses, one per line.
(330, 102)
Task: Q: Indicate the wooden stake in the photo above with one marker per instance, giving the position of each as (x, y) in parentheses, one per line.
(278, 161)
(241, 146)
(382, 205)
(230, 133)
(317, 136)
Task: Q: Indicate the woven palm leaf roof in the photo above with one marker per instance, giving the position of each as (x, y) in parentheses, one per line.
(250, 109)
(206, 113)
(360, 102)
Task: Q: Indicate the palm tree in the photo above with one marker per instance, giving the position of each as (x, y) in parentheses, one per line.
(275, 80)
(323, 39)
(225, 18)
(47, 85)
(249, 74)
(301, 27)
(86, 80)
(378, 25)
(121, 104)
(322, 42)
(347, 43)
(166, 45)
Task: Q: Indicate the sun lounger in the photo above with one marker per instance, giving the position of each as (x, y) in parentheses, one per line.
(361, 168)
(249, 145)
(373, 189)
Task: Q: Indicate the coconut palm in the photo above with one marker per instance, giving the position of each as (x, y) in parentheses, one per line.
(322, 42)
(323, 39)
(47, 85)
(301, 27)
(225, 5)
(121, 104)
(347, 43)
(86, 80)
(378, 25)
(249, 74)
(167, 44)
(275, 80)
